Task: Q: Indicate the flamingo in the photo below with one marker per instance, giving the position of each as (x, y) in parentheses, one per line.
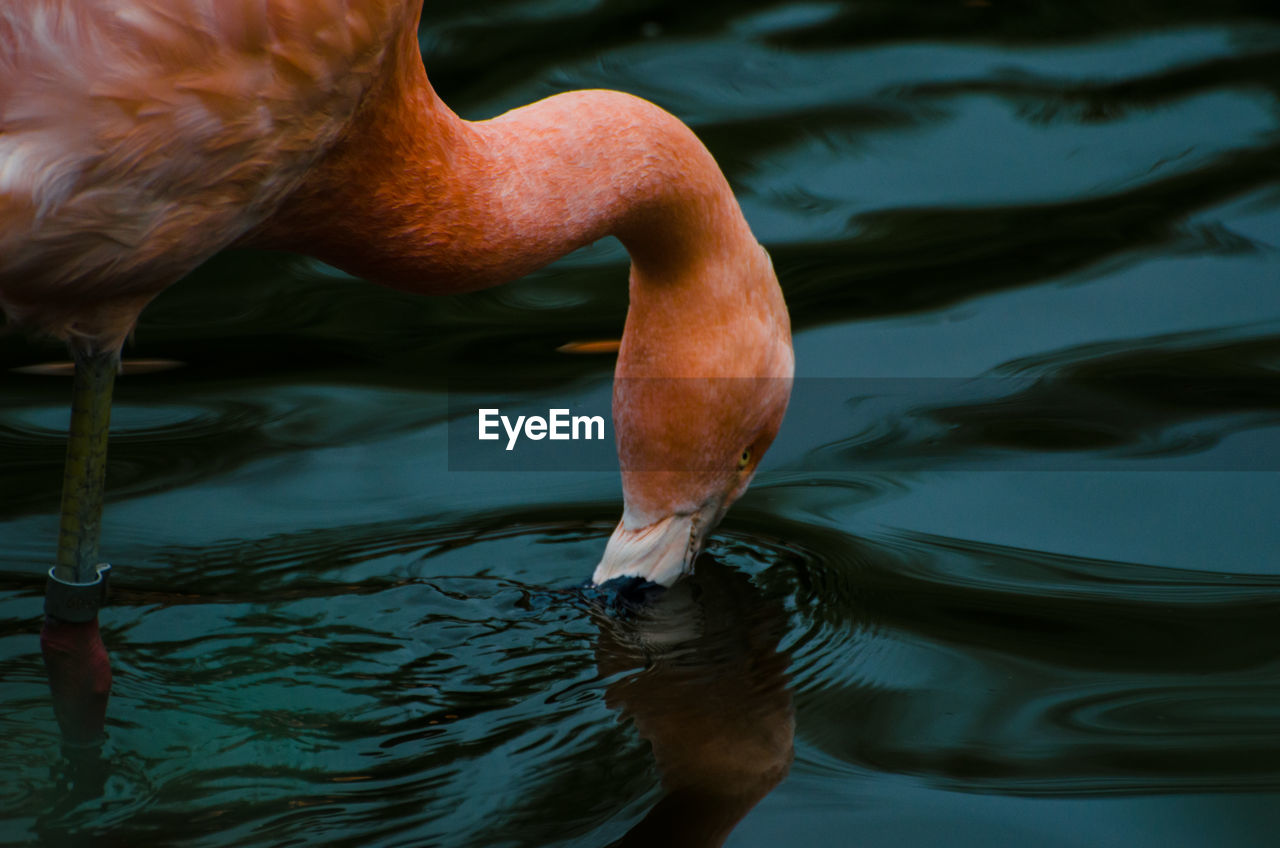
(140, 137)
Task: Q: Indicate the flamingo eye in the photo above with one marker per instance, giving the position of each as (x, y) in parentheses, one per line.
(744, 459)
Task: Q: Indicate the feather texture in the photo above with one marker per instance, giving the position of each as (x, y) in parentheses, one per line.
(139, 137)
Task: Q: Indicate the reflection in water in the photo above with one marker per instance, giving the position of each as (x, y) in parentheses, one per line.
(711, 699)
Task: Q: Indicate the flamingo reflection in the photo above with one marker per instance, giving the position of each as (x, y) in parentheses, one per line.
(710, 697)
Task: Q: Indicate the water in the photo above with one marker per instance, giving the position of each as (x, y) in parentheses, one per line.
(1009, 576)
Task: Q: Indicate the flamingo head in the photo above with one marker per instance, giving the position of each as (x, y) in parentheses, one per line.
(689, 447)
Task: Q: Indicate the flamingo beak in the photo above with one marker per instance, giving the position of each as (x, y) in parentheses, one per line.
(659, 552)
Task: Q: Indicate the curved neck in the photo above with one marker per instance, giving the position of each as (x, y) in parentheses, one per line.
(417, 198)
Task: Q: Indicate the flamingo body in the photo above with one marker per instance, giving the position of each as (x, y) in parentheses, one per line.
(139, 137)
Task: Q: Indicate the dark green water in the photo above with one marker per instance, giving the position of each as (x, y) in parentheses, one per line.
(1010, 576)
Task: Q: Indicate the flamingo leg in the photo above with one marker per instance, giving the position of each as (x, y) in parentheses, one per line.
(84, 478)
(74, 656)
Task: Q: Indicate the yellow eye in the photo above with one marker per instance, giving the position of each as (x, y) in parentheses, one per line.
(744, 459)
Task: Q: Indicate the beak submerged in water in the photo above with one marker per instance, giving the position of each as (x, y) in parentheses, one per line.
(659, 552)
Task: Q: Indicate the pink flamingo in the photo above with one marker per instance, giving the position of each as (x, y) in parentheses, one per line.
(140, 137)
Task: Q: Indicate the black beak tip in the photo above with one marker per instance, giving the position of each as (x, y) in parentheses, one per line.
(624, 594)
